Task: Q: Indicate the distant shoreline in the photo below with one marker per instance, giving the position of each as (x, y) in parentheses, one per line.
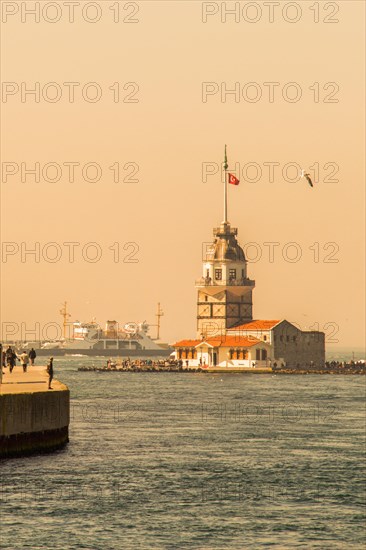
(344, 372)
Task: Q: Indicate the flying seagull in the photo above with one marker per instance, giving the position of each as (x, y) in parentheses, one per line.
(307, 176)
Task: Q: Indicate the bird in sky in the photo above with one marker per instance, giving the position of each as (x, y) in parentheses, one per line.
(307, 176)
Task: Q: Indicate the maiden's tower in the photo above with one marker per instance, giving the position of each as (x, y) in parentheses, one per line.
(227, 334)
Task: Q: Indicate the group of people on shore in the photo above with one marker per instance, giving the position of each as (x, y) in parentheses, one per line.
(9, 357)
(141, 365)
(144, 363)
(344, 364)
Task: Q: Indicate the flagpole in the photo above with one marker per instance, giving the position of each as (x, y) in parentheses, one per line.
(225, 199)
(225, 188)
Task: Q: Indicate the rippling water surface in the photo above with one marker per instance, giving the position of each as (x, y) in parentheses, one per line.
(195, 461)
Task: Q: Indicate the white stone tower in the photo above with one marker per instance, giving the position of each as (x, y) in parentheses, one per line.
(224, 292)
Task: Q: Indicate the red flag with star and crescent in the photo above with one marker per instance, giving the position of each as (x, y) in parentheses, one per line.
(233, 180)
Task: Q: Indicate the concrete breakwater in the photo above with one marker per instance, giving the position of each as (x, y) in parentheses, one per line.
(32, 417)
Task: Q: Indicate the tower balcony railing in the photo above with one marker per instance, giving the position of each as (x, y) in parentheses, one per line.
(207, 281)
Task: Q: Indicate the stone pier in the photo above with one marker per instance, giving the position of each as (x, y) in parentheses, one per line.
(32, 417)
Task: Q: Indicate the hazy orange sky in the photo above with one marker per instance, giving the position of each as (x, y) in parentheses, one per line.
(170, 131)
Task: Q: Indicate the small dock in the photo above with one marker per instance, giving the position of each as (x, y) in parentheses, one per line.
(32, 417)
(34, 380)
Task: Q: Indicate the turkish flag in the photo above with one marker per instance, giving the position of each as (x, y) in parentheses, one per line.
(233, 180)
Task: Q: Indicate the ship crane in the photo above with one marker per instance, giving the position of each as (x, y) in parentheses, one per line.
(65, 316)
(159, 314)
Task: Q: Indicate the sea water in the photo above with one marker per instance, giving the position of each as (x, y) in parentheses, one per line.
(177, 460)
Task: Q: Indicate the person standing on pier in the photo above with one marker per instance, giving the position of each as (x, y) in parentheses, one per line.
(50, 372)
(24, 359)
(11, 358)
(32, 356)
(8, 356)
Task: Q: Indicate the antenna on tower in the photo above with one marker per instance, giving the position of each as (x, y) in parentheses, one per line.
(65, 315)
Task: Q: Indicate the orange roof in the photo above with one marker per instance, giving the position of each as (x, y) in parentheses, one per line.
(256, 325)
(232, 341)
(186, 343)
(218, 341)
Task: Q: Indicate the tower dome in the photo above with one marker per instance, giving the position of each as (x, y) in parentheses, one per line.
(225, 245)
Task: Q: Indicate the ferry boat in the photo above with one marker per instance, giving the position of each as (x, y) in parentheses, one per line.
(128, 340)
(131, 340)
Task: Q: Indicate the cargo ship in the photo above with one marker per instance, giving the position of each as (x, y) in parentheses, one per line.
(88, 338)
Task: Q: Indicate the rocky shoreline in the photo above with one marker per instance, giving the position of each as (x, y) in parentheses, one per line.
(340, 371)
(358, 368)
